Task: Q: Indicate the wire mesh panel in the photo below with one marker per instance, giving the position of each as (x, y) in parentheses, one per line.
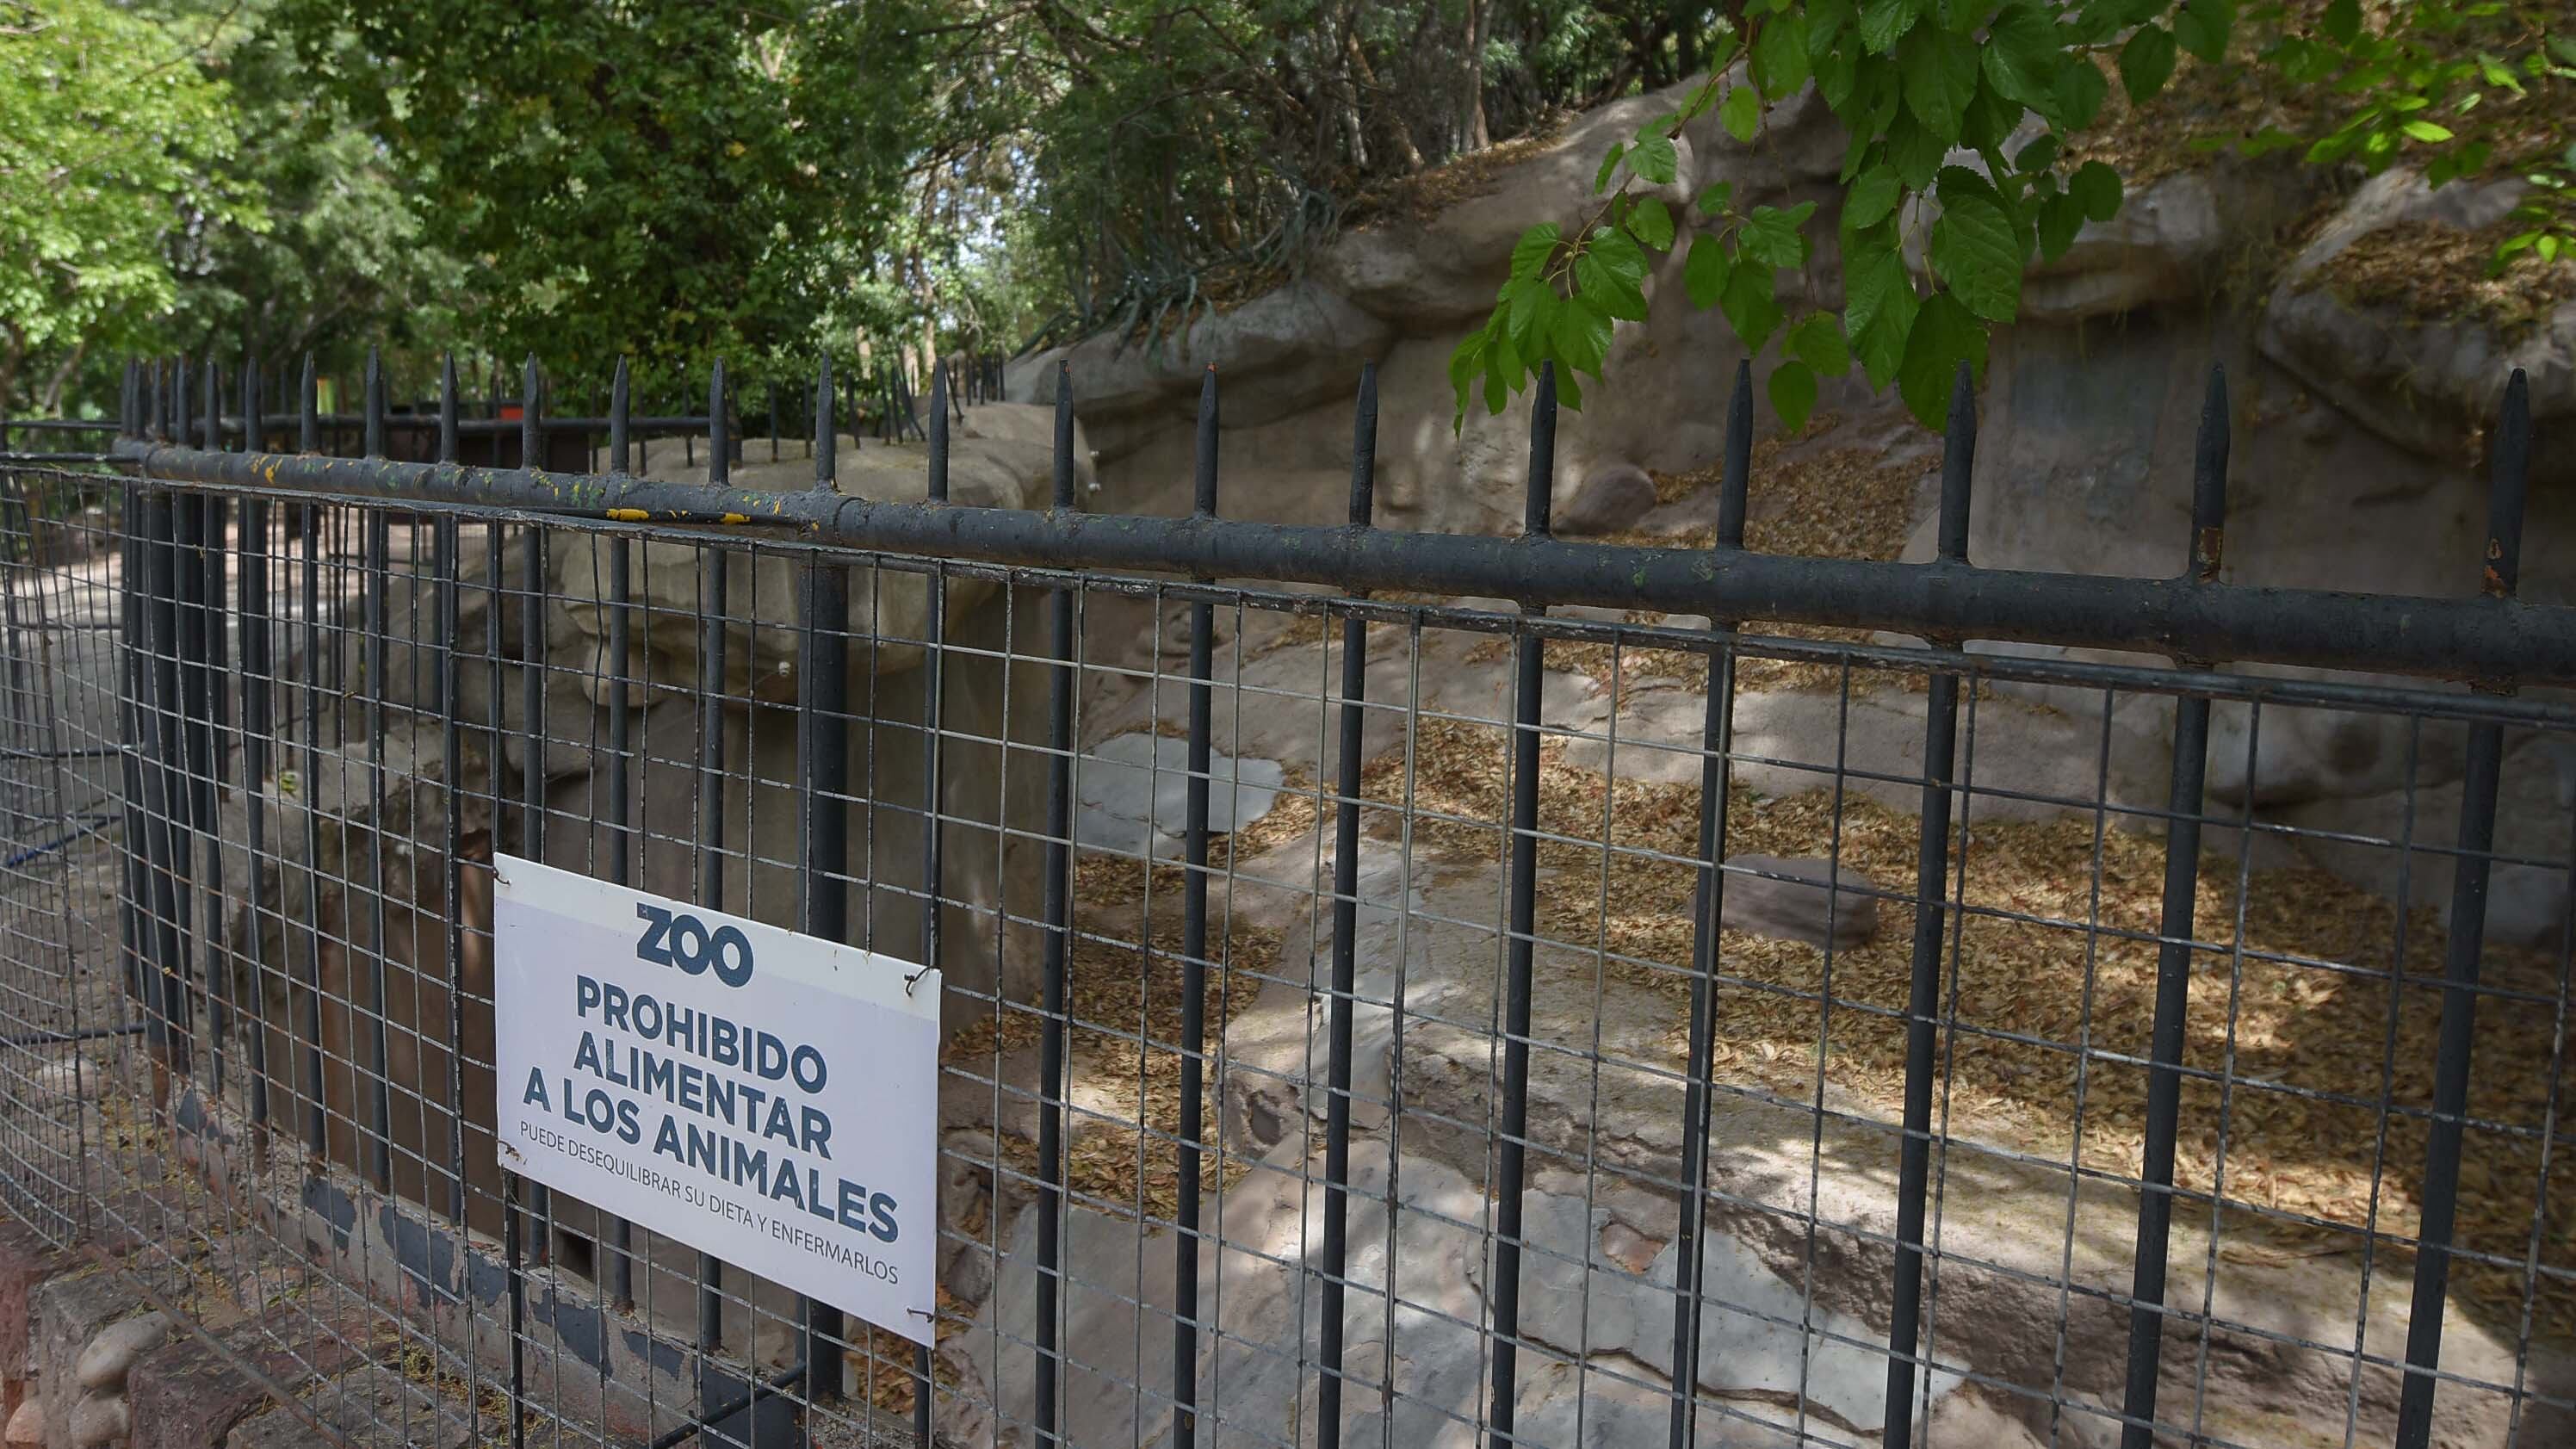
(1370, 1017)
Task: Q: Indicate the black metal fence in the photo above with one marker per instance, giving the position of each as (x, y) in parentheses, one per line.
(1371, 1019)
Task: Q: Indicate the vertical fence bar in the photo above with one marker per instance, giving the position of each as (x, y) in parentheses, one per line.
(516, 1204)
(1529, 665)
(213, 673)
(317, 1124)
(2500, 576)
(2173, 956)
(532, 410)
(451, 741)
(823, 750)
(1708, 910)
(162, 786)
(377, 580)
(129, 689)
(621, 745)
(165, 583)
(711, 805)
(933, 765)
(1194, 912)
(192, 800)
(1345, 942)
(1056, 903)
(1923, 1000)
(257, 680)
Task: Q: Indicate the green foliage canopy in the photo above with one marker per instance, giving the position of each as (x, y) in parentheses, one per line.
(109, 130)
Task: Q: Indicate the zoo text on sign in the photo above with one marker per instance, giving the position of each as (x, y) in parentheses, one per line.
(764, 1096)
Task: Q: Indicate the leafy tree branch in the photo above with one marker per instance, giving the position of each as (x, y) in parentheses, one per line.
(2465, 90)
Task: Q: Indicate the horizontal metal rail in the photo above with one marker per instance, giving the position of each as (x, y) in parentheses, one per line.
(2463, 638)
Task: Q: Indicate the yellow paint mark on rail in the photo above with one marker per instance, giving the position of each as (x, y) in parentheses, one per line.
(629, 515)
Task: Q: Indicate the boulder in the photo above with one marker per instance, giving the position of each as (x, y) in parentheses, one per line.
(110, 1356)
(1295, 346)
(1610, 501)
(889, 609)
(2430, 385)
(99, 1420)
(1788, 900)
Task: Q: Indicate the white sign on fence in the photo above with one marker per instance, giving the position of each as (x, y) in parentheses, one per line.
(767, 1097)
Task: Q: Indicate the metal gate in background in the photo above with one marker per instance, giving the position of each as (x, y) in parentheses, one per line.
(1373, 1020)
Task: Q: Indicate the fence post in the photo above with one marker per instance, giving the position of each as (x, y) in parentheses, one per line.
(377, 580)
(2500, 574)
(1708, 914)
(257, 705)
(933, 773)
(823, 752)
(712, 562)
(1345, 946)
(213, 634)
(1931, 886)
(317, 1120)
(1056, 906)
(1194, 911)
(2173, 955)
(621, 746)
(1529, 667)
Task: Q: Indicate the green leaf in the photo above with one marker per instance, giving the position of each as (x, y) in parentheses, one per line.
(1468, 357)
(1705, 270)
(1916, 152)
(1818, 342)
(1569, 393)
(1611, 292)
(2201, 27)
(2098, 187)
(1652, 158)
(1940, 71)
(1752, 305)
(1943, 336)
(1582, 335)
(1609, 167)
(1876, 287)
(1530, 254)
(2427, 132)
(1837, 73)
(1740, 113)
(1873, 198)
(2341, 22)
(2081, 90)
(1771, 236)
(1884, 22)
(1780, 64)
(1531, 302)
(1976, 249)
(1618, 251)
(2060, 218)
(1651, 222)
(1989, 122)
(2023, 57)
(2041, 154)
(1793, 394)
(2147, 62)
(1715, 197)
(1465, 361)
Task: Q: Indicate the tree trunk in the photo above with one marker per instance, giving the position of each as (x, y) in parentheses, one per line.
(51, 403)
(1472, 135)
